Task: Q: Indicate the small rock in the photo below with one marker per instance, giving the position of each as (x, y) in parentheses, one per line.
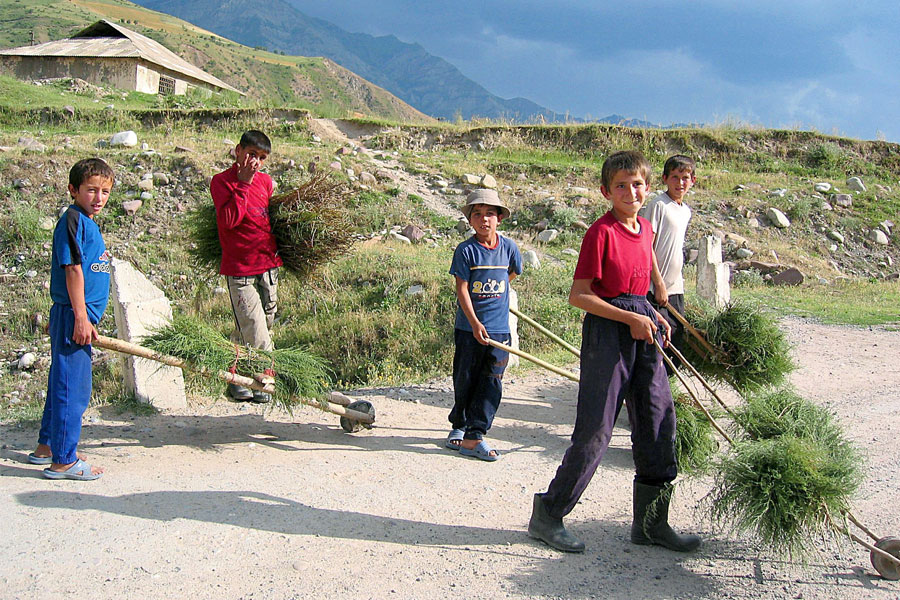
(335, 165)
(146, 196)
(124, 138)
(790, 276)
(146, 184)
(26, 361)
(530, 259)
(489, 182)
(132, 206)
(836, 236)
(777, 218)
(856, 184)
(548, 235)
(415, 290)
(400, 238)
(470, 179)
(160, 179)
(841, 200)
(21, 184)
(822, 187)
(879, 237)
(743, 253)
(413, 233)
(367, 178)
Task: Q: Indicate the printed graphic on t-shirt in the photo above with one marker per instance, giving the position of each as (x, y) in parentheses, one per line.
(102, 264)
(490, 288)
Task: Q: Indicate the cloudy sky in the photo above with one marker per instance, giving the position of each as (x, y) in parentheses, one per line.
(825, 65)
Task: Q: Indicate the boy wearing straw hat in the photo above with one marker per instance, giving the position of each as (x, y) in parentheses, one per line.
(250, 258)
(618, 356)
(483, 267)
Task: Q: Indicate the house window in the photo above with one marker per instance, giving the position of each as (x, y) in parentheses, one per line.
(166, 85)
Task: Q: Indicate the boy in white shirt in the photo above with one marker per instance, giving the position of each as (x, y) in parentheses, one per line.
(669, 216)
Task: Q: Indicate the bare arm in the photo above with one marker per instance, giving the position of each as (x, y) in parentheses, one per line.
(84, 332)
(465, 302)
(659, 286)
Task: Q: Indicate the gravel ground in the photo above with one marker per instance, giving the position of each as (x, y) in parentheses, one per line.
(231, 501)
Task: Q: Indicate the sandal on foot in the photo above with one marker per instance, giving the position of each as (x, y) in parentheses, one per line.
(39, 460)
(482, 451)
(455, 438)
(80, 471)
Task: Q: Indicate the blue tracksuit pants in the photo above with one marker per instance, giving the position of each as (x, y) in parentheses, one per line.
(68, 387)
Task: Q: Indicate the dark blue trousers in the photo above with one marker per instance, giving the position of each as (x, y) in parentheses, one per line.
(68, 387)
(613, 363)
(477, 383)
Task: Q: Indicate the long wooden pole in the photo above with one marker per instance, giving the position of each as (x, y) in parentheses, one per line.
(124, 347)
(693, 331)
(693, 397)
(703, 381)
(546, 332)
(534, 359)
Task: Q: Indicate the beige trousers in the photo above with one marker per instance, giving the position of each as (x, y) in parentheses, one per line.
(254, 300)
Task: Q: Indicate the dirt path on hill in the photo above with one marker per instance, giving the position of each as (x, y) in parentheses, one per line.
(224, 500)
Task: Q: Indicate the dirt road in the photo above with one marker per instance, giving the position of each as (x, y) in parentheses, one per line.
(227, 501)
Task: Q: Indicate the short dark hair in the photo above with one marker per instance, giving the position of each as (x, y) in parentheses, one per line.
(679, 161)
(630, 161)
(256, 139)
(86, 168)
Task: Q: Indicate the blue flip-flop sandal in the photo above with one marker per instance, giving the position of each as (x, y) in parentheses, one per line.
(456, 435)
(39, 460)
(80, 471)
(482, 451)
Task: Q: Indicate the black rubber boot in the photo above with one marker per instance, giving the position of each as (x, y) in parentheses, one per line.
(239, 393)
(651, 521)
(551, 530)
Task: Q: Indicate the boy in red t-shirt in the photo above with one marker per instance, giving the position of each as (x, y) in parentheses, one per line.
(618, 358)
(250, 258)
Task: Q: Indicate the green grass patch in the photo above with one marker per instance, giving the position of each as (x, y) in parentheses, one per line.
(844, 302)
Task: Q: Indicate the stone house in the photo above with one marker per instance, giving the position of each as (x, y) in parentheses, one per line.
(109, 54)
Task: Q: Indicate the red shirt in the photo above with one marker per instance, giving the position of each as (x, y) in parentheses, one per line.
(242, 215)
(616, 260)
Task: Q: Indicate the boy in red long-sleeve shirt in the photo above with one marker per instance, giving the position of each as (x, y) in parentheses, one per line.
(250, 258)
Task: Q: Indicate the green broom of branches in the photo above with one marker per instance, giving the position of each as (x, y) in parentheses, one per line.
(311, 225)
(751, 352)
(789, 476)
(695, 443)
(297, 372)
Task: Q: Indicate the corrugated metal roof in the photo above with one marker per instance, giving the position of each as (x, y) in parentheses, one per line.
(104, 39)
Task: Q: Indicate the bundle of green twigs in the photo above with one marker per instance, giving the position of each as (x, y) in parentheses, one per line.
(311, 225)
(297, 373)
(790, 475)
(695, 441)
(749, 350)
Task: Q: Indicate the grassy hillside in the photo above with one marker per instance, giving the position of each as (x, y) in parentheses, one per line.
(268, 79)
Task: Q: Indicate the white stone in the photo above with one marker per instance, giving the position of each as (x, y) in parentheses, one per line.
(548, 235)
(489, 182)
(822, 187)
(513, 327)
(400, 238)
(415, 290)
(26, 361)
(470, 179)
(530, 258)
(743, 253)
(139, 308)
(712, 274)
(777, 218)
(879, 237)
(124, 138)
(836, 236)
(856, 184)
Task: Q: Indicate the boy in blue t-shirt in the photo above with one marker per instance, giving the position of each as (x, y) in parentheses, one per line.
(79, 288)
(483, 266)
